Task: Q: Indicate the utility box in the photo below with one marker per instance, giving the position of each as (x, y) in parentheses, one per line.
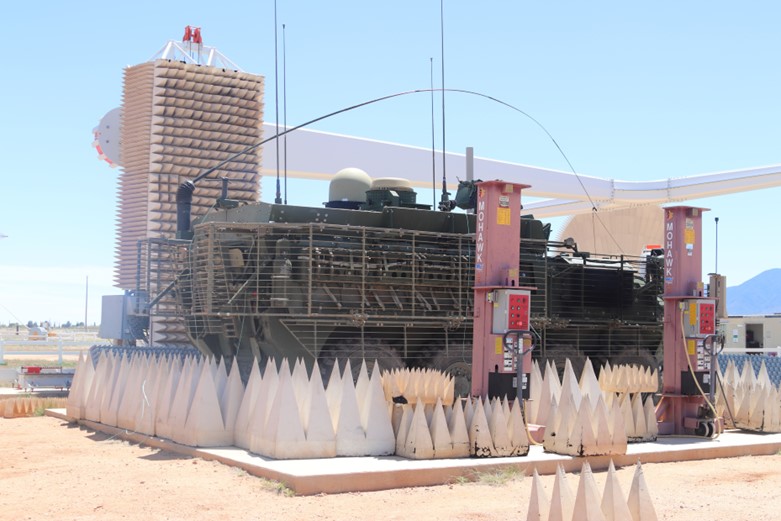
(123, 317)
(699, 318)
(511, 310)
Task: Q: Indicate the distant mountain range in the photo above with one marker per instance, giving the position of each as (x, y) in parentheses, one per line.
(760, 295)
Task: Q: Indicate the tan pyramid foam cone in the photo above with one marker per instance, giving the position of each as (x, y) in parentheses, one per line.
(589, 385)
(85, 385)
(617, 429)
(581, 440)
(220, 374)
(480, 442)
(569, 384)
(362, 385)
(588, 502)
(418, 443)
(405, 423)
(333, 393)
(604, 376)
(640, 503)
(567, 415)
(652, 427)
(75, 396)
(638, 413)
(264, 392)
(469, 411)
(614, 506)
(283, 435)
(516, 427)
(413, 384)
(629, 418)
(180, 432)
(231, 398)
(375, 420)
(131, 397)
(205, 425)
(110, 402)
(542, 413)
(459, 434)
(241, 433)
(549, 439)
(535, 393)
(539, 506)
(165, 398)
(319, 430)
(488, 409)
(180, 406)
(98, 388)
(145, 413)
(350, 436)
(601, 425)
(500, 437)
(562, 499)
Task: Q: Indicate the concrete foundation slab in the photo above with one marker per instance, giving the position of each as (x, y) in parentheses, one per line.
(360, 474)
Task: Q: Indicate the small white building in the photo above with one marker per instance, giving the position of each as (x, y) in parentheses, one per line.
(752, 334)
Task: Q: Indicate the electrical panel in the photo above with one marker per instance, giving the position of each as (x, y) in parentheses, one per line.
(699, 318)
(511, 310)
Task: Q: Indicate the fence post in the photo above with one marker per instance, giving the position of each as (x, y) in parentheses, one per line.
(59, 350)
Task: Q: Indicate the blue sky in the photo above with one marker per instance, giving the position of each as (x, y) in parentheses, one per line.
(630, 91)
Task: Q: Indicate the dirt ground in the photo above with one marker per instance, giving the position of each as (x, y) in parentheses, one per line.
(52, 470)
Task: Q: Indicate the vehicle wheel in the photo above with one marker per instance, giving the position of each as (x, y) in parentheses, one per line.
(459, 368)
(375, 351)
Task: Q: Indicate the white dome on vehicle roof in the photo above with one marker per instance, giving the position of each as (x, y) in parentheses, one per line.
(349, 184)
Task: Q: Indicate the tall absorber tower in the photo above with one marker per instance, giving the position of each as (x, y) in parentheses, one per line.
(185, 110)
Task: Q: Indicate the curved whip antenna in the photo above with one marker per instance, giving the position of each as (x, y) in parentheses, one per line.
(250, 148)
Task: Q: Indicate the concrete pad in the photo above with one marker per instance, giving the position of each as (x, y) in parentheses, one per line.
(359, 474)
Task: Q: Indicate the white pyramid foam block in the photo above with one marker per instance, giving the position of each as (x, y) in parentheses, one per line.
(110, 402)
(588, 504)
(539, 505)
(165, 398)
(266, 393)
(145, 413)
(75, 400)
(562, 499)
(131, 397)
(480, 441)
(375, 419)
(319, 430)
(241, 435)
(204, 423)
(350, 436)
(418, 443)
(98, 388)
(440, 433)
(231, 398)
(284, 432)
(516, 428)
(640, 504)
(459, 434)
(498, 429)
(180, 407)
(614, 507)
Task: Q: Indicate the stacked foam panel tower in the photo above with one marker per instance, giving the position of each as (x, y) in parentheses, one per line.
(751, 400)
(177, 121)
(586, 504)
(627, 383)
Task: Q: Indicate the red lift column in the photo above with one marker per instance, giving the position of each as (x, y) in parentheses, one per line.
(689, 319)
(500, 304)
